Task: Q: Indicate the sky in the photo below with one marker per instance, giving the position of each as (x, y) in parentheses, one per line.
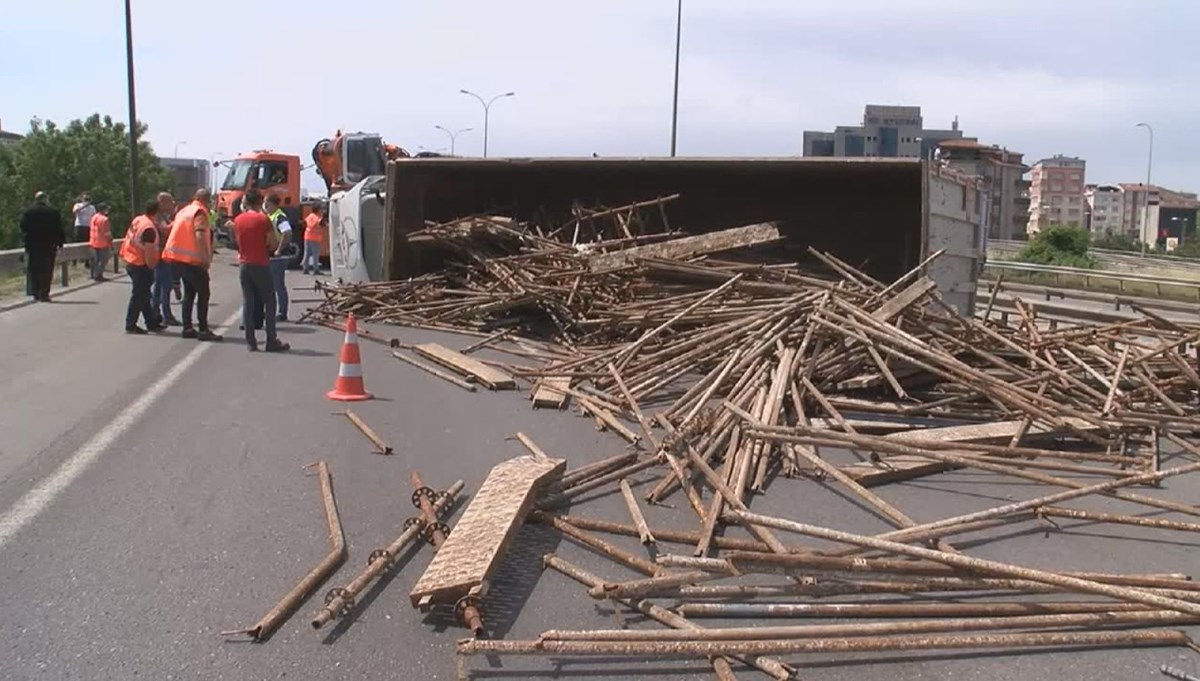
(595, 76)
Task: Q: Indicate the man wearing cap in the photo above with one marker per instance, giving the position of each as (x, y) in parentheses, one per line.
(42, 236)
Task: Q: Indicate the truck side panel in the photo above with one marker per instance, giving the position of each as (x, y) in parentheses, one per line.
(872, 213)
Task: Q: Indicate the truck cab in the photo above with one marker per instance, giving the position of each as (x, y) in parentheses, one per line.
(269, 173)
(264, 170)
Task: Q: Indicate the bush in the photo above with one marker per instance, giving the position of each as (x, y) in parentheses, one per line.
(1065, 246)
(1117, 242)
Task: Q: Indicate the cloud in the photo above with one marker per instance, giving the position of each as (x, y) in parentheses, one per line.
(1065, 77)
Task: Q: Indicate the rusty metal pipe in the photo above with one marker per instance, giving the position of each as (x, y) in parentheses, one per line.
(770, 667)
(617, 554)
(595, 469)
(978, 564)
(673, 536)
(1056, 512)
(341, 600)
(580, 489)
(383, 447)
(330, 563)
(1149, 618)
(423, 497)
(673, 649)
(642, 588)
(744, 561)
(903, 609)
(635, 513)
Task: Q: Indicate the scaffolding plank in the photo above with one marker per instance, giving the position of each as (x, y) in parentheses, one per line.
(465, 562)
(691, 246)
(551, 391)
(907, 467)
(491, 377)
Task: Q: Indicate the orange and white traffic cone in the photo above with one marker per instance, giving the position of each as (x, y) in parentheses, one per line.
(349, 385)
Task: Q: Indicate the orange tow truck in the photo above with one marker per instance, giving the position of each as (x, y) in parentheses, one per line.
(269, 172)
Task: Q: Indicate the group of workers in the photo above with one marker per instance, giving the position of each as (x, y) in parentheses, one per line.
(166, 246)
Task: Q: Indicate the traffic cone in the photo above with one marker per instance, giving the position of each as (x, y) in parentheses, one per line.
(349, 384)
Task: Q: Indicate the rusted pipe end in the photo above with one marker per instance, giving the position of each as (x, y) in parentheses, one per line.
(322, 618)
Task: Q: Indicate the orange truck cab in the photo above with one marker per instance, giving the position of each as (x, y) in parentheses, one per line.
(269, 173)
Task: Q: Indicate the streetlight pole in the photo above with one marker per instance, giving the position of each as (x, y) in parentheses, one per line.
(1149, 167)
(675, 98)
(176, 153)
(453, 135)
(487, 106)
(133, 130)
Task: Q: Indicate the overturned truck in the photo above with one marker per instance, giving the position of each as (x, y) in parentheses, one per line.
(883, 215)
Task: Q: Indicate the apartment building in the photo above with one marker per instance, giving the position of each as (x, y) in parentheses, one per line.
(1003, 174)
(1104, 209)
(1056, 193)
(7, 137)
(886, 131)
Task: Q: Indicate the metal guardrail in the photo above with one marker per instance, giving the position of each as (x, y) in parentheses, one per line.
(1058, 272)
(13, 261)
(1108, 255)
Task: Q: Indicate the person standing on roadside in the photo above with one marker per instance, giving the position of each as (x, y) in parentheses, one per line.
(279, 261)
(160, 294)
(100, 239)
(140, 253)
(313, 238)
(42, 236)
(84, 211)
(256, 239)
(189, 250)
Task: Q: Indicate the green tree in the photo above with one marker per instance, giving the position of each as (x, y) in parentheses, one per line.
(1117, 242)
(90, 155)
(1058, 245)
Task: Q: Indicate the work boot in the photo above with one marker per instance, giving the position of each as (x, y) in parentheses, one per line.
(136, 330)
(209, 336)
(171, 321)
(189, 332)
(157, 328)
(277, 346)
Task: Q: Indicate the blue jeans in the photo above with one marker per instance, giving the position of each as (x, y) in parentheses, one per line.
(278, 270)
(312, 254)
(160, 295)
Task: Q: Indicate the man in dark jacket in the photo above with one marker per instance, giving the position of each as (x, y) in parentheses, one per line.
(42, 236)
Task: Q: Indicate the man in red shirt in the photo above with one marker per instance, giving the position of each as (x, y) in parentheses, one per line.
(256, 239)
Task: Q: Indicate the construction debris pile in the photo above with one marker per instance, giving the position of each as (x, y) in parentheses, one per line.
(730, 377)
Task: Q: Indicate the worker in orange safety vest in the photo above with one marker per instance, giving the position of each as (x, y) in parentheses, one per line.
(189, 250)
(140, 253)
(100, 240)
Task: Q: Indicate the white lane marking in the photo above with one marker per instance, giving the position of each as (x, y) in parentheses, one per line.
(36, 500)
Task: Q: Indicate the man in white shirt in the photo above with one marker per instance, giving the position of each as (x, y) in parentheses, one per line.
(84, 212)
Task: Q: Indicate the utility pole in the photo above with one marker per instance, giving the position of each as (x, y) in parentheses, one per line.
(675, 99)
(1146, 201)
(133, 129)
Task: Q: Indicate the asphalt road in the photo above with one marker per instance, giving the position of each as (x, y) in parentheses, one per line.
(140, 516)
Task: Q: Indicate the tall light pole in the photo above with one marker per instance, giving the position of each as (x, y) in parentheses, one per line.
(675, 99)
(1149, 167)
(176, 153)
(487, 106)
(133, 130)
(454, 136)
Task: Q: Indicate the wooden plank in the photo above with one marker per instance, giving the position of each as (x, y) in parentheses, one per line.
(489, 376)
(902, 300)
(690, 246)
(551, 391)
(476, 545)
(436, 371)
(907, 467)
